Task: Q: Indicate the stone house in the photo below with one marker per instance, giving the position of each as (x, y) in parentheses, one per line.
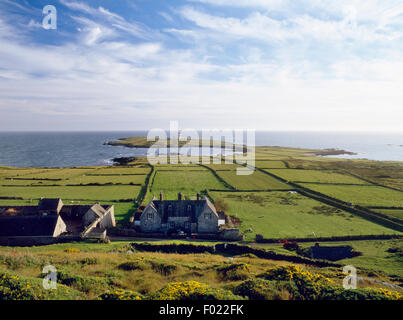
(51, 220)
(190, 216)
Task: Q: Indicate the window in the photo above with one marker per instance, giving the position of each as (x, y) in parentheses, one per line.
(149, 216)
(187, 225)
(172, 225)
(189, 208)
(207, 216)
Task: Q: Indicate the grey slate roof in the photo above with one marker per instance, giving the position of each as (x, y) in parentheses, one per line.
(28, 226)
(49, 204)
(181, 208)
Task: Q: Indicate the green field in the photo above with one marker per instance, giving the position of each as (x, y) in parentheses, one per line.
(273, 164)
(360, 195)
(109, 179)
(255, 181)
(320, 176)
(102, 193)
(285, 214)
(189, 183)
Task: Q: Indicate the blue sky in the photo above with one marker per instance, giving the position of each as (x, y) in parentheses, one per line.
(260, 64)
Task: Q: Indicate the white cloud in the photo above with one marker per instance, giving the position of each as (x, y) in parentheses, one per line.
(112, 83)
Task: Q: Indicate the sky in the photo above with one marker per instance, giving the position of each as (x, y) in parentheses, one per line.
(334, 65)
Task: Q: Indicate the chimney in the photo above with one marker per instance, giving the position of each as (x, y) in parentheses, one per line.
(179, 196)
(160, 195)
(198, 196)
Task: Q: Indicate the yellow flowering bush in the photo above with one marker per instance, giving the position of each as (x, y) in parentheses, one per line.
(304, 285)
(120, 294)
(13, 288)
(192, 290)
(72, 250)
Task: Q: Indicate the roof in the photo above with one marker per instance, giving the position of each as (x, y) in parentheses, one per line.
(49, 204)
(28, 226)
(181, 208)
(98, 210)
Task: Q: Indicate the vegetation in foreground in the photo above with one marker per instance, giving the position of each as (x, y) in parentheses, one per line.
(117, 272)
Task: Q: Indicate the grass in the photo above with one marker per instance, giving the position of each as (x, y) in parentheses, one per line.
(360, 195)
(284, 214)
(271, 164)
(317, 176)
(109, 179)
(102, 193)
(87, 270)
(189, 183)
(256, 181)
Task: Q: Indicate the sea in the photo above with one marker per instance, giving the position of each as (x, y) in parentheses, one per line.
(66, 149)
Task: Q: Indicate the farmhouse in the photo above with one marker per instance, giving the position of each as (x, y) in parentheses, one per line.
(190, 216)
(51, 221)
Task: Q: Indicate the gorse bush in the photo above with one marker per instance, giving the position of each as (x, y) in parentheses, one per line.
(259, 289)
(234, 272)
(120, 294)
(192, 290)
(304, 285)
(13, 288)
(133, 265)
(83, 284)
(72, 250)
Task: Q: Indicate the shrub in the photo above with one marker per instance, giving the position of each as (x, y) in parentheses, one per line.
(120, 294)
(89, 261)
(132, 265)
(72, 250)
(163, 268)
(13, 288)
(259, 289)
(84, 284)
(234, 272)
(192, 290)
(304, 285)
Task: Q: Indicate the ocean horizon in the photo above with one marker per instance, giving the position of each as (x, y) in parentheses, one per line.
(78, 148)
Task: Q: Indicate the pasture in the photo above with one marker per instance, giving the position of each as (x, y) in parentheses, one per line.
(285, 214)
(256, 181)
(189, 183)
(100, 193)
(360, 195)
(318, 176)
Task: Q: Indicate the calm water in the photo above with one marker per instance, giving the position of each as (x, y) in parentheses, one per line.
(61, 149)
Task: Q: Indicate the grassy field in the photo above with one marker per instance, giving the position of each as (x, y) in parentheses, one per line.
(272, 164)
(189, 183)
(361, 195)
(255, 181)
(73, 193)
(285, 214)
(319, 176)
